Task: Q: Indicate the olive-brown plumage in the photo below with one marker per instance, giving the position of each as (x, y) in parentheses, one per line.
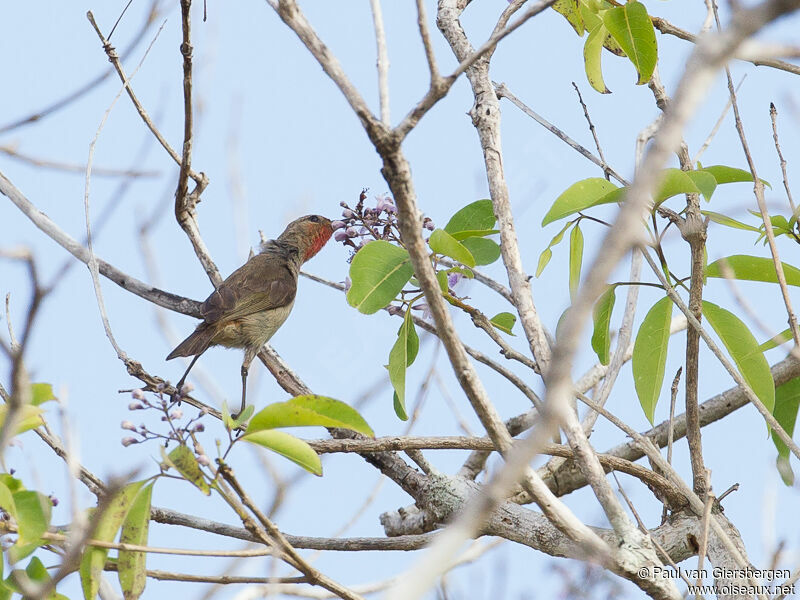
(248, 307)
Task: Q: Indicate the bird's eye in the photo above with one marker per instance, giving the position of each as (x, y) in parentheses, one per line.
(314, 219)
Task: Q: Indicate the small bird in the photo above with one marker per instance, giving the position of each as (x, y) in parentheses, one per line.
(248, 307)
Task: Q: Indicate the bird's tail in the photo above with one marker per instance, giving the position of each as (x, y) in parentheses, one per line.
(196, 343)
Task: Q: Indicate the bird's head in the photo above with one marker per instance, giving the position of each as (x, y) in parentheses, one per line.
(308, 234)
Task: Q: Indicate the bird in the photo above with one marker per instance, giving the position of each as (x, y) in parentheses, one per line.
(248, 307)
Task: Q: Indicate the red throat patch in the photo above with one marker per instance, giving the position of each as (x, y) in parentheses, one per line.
(321, 237)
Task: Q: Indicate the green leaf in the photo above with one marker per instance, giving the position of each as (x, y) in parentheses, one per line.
(295, 449)
(36, 571)
(401, 356)
(592, 53)
(309, 410)
(753, 268)
(7, 503)
(504, 321)
(132, 565)
(727, 221)
(441, 277)
(94, 559)
(545, 257)
(783, 337)
(462, 235)
(41, 393)
(601, 335)
(650, 355)
(575, 260)
(478, 215)
(378, 272)
(704, 181)
(577, 197)
(29, 417)
(725, 174)
(787, 400)
(674, 182)
(570, 11)
(744, 350)
(631, 27)
(33, 515)
(442, 242)
(485, 251)
(185, 462)
(399, 408)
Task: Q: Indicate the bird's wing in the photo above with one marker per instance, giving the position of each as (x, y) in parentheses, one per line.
(263, 283)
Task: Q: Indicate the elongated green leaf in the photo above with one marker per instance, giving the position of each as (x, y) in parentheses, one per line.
(309, 410)
(744, 351)
(577, 197)
(727, 221)
(185, 462)
(592, 58)
(132, 565)
(94, 559)
(650, 355)
(378, 272)
(575, 260)
(401, 356)
(783, 337)
(674, 182)
(724, 174)
(601, 334)
(787, 400)
(504, 321)
(288, 446)
(442, 242)
(631, 27)
(704, 181)
(545, 257)
(478, 215)
(570, 11)
(485, 251)
(753, 268)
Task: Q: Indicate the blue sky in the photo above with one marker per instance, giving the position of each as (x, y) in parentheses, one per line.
(277, 141)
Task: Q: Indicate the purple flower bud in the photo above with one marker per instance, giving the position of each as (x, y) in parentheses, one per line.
(385, 204)
(363, 231)
(340, 235)
(343, 204)
(129, 441)
(128, 425)
(453, 278)
(53, 500)
(348, 214)
(185, 389)
(198, 428)
(351, 232)
(135, 406)
(337, 225)
(394, 310)
(176, 414)
(203, 460)
(428, 224)
(160, 387)
(137, 394)
(347, 283)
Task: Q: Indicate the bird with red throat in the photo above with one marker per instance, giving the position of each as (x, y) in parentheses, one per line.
(248, 307)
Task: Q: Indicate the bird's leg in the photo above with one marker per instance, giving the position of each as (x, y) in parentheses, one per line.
(176, 396)
(245, 369)
(249, 355)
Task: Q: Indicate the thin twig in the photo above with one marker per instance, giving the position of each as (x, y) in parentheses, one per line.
(773, 115)
(383, 60)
